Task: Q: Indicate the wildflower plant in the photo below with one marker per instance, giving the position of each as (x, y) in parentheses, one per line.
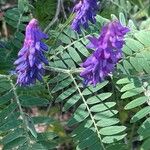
(77, 106)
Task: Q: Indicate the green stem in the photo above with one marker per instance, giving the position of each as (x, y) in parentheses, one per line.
(3, 76)
(68, 71)
(143, 8)
(50, 103)
(25, 124)
(88, 109)
(19, 22)
(140, 2)
(55, 17)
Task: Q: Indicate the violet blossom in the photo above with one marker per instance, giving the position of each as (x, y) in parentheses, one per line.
(108, 51)
(31, 56)
(84, 11)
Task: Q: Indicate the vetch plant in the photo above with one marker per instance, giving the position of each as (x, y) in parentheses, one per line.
(76, 106)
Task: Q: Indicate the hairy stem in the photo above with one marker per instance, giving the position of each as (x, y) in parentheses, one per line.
(55, 17)
(72, 71)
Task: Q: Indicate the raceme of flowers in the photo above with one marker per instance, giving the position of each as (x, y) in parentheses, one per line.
(108, 50)
(84, 11)
(31, 56)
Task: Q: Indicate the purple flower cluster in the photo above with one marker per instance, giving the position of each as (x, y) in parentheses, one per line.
(31, 56)
(84, 11)
(108, 51)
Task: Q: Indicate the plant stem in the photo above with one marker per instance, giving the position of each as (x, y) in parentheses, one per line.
(4, 76)
(67, 71)
(55, 17)
(25, 125)
(63, 9)
(88, 109)
(50, 103)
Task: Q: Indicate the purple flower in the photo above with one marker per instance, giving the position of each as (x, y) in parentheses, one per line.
(84, 11)
(31, 56)
(108, 51)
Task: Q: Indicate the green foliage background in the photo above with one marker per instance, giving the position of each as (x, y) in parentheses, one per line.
(113, 115)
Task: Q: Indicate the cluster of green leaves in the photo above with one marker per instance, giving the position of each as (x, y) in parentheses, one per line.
(17, 128)
(96, 120)
(15, 19)
(95, 114)
(134, 82)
